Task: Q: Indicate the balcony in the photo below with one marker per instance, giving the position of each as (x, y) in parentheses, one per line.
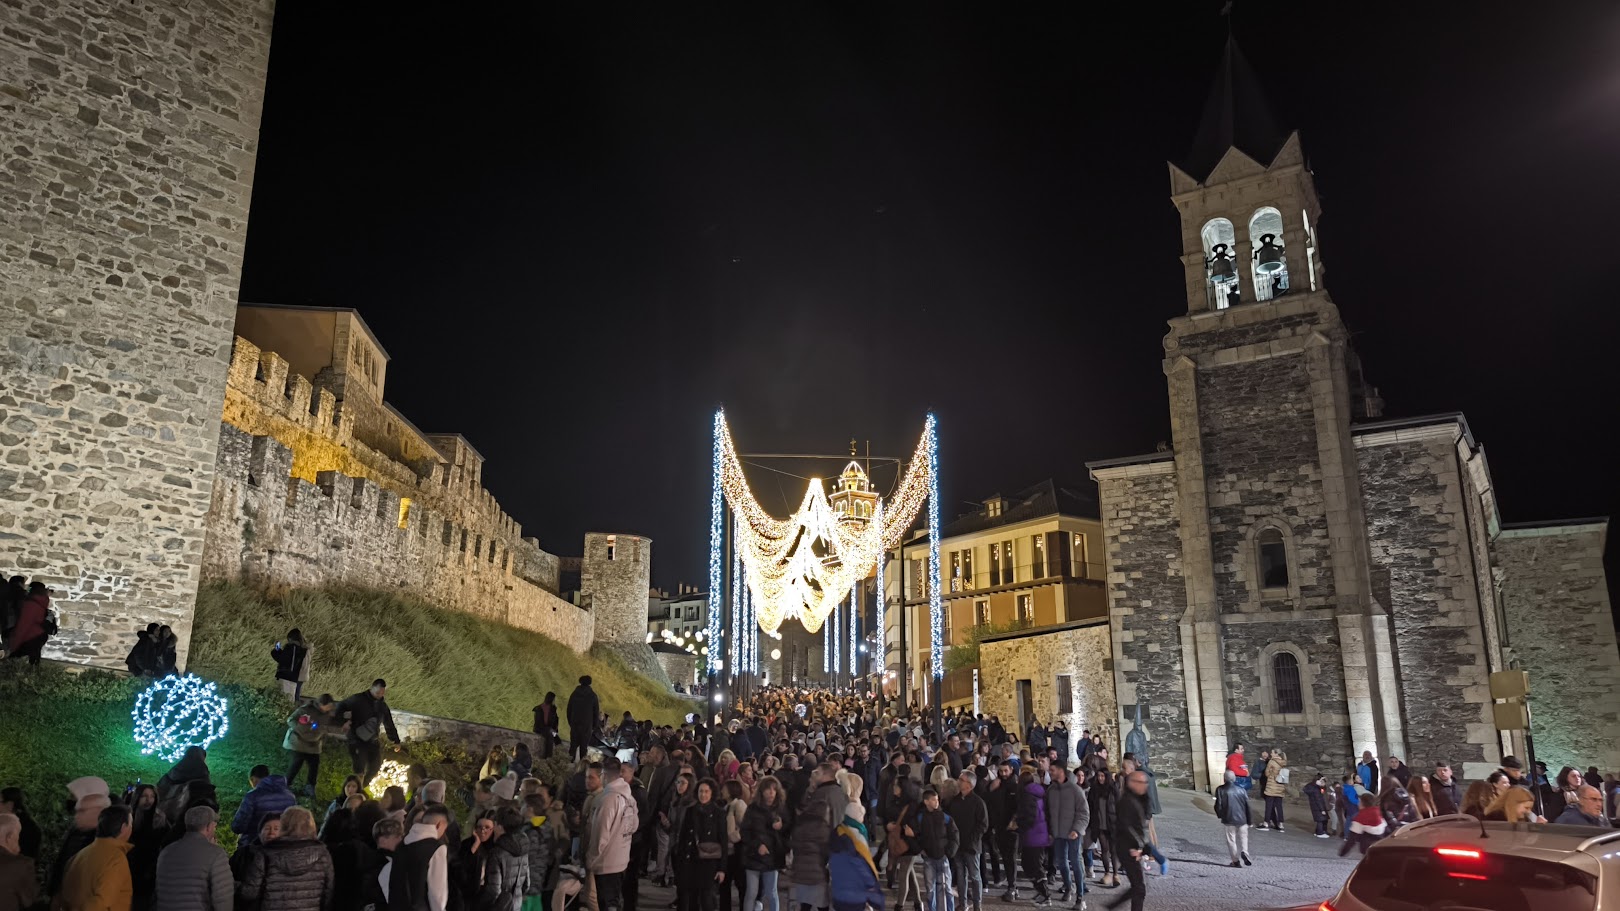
(985, 582)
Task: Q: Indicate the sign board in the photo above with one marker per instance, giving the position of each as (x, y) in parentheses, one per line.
(1510, 685)
(1511, 716)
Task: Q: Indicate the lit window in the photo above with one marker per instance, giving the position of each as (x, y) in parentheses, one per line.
(612, 543)
(981, 613)
(1037, 560)
(1273, 559)
(1285, 684)
(1026, 608)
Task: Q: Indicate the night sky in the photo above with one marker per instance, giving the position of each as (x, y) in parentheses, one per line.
(577, 234)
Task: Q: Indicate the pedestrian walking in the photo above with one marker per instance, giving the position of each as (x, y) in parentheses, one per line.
(1034, 833)
(1131, 839)
(366, 716)
(1320, 797)
(306, 728)
(1232, 809)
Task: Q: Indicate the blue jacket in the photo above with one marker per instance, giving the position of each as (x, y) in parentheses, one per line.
(850, 870)
(271, 796)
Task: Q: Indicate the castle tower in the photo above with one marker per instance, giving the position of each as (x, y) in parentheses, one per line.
(615, 579)
(853, 499)
(1260, 503)
(131, 140)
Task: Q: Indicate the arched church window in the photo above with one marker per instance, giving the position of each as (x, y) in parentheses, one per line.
(1289, 695)
(1220, 262)
(1273, 553)
(1269, 263)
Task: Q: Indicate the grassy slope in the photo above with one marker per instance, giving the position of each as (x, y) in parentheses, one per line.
(437, 662)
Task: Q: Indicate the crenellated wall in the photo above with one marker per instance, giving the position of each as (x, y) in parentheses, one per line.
(268, 527)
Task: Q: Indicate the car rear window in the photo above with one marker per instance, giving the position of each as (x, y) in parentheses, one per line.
(1467, 878)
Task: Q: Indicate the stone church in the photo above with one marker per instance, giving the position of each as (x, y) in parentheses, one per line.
(1301, 570)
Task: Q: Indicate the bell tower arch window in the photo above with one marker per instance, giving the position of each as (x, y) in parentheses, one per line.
(1220, 263)
(1269, 263)
(1270, 564)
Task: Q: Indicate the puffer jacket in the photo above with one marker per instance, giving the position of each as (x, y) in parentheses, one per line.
(1033, 831)
(541, 854)
(758, 830)
(1274, 767)
(506, 874)
(271, 796)
(1067, 810)
(812, 833)
(288, 875)
(193, 874)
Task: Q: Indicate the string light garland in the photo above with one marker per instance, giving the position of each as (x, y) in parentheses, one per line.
(936, 605)
(826, 649)
(716, 546)
(854, 629)
(179, 712)
(736, 601)
(882, 656)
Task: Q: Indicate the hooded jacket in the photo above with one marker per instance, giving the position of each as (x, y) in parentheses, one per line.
(613, 824)
(289, 875)
(506, 874)
(1033, 831)
(1274, 767)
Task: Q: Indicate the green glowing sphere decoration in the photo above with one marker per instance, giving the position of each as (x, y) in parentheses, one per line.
(177, 712)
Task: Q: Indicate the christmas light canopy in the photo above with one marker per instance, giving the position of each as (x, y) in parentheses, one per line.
(179, 712)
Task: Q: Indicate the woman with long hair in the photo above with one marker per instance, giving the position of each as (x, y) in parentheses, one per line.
(1423, 797)
(522, 763)
(1479, 795)
(147, 836)
(494, 764)
(673, 805)
(1516, 805)
(1563, 791)
(351, 788)
(736, 808)
(1103, 797)
(764, 845)
(726, 766)
(700, 842)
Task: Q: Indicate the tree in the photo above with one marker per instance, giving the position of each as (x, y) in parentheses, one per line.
(967, 654)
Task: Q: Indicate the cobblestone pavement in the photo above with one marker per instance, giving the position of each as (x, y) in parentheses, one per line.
(1292, 869)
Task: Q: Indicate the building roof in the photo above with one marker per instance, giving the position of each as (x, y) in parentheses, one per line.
(349, 310)
(1236, 115)
(1046, 498)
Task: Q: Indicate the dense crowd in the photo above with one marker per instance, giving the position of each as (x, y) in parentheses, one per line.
(828, 800)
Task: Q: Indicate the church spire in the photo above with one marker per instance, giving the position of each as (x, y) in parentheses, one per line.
(1237, 115)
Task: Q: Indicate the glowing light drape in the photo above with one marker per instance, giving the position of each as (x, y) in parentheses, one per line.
(786, 574)
(716, 558)
(936, 603)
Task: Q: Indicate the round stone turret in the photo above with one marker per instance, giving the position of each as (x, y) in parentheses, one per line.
(615, 577)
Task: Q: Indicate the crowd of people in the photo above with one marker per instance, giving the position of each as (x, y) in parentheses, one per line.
(827, 800)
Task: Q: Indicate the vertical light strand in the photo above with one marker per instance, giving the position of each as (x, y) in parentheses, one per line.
(716, 546)
(751, 624)
(837, 638)
(936, 605)
(736, 602)
(826, 648)
(855, 629)
(881, 659)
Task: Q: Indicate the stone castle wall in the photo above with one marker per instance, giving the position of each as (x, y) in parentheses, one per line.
(1556, 601)
(269, 528)
(1423, 573)
(1147, 604)
(1081, 653)
(130, 139)
(617, 579)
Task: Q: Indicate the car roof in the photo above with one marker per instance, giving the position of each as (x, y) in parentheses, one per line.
(1542, 841)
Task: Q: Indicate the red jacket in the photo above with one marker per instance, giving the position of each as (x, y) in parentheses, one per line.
(1236, 765)
(31, 618)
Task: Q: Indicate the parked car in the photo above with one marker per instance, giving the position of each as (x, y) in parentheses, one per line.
(1458, 862)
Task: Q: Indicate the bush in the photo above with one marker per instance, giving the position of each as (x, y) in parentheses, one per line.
(436, 662)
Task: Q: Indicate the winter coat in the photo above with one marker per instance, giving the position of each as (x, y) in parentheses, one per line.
(506, 874)
(1447, 797)
(1067, 809)
(292, 661)
(545, 719)
(1237, 765)
(31, 619)
(1032, 826)
(583, 710)
(1274, 767)
(97, 879)
(367, 716)
(193, 874)
(18, 887)
(852, 874)
(613, 824)
(1232, 805)
(541, 853)
(1103, 801)
(757, 830)
(937, 835)
(1131, 827)
(289, 875)
(305, 728)
(1037, 739)
(270, 796)
(813, 827)
(972, 821)
(1318, 796)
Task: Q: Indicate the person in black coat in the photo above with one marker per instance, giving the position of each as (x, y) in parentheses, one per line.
(972, 818)
(545, 724)
(583, 711)
(1317, 793)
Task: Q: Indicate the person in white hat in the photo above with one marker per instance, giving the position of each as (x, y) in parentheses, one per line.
(89, 799)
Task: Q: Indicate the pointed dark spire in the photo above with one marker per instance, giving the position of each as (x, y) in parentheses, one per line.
(1236, 115)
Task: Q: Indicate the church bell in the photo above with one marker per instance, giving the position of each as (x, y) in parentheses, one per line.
(1220, 264)
(1269, 256)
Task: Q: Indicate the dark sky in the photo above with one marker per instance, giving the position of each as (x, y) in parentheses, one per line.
(578, 233)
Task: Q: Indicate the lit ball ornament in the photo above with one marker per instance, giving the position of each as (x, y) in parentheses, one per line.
(776, 654)
(178, 712)
(391, 773)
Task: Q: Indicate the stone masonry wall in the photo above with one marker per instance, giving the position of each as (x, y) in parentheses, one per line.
(1556, 599)
(130, 138)
(1423, 573)
(1083, 654)
(268, 528)
(1147, 600)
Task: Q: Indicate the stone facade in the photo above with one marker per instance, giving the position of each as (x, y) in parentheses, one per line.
(1556, 601)
(1079, 652)
(130, 141)
(270, 529)
(615, 580)
(1298, 574)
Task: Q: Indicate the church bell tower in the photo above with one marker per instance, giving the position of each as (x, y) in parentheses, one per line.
(1263, 388)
